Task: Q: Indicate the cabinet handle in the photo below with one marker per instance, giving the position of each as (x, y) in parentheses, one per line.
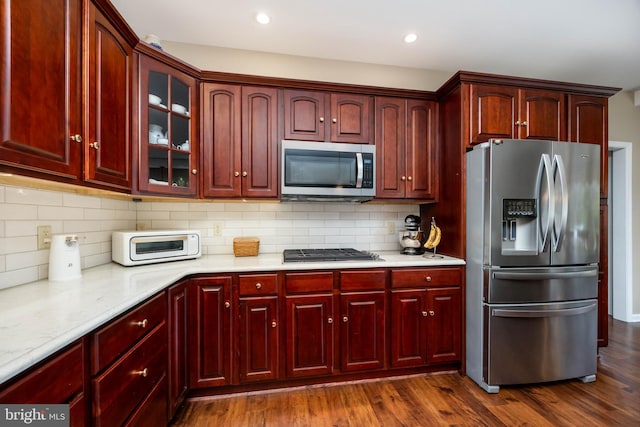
(403, 178)
(427, 278)
(409, 178)
(95, 145)
(425, 314)
(258, 285)
(142, 373)
(236, 174)
(524, 123)
(345, 319)
(321, 119)
(194, 171)
(334, 120)
(227, 304)
(274, 324)
(432, 313)
(76, 138)
(244, 173)
(142, 324)
(330, 320)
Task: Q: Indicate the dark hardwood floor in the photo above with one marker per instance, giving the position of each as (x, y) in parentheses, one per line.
(444, 399)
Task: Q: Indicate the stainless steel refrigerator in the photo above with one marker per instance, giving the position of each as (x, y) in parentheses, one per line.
(532, 251)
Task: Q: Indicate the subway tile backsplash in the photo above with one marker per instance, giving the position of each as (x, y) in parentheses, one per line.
(278, 225)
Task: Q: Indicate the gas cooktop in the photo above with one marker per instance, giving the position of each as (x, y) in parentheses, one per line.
(338, 254)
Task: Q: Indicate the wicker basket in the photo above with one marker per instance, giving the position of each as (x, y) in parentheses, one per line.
(246, 246)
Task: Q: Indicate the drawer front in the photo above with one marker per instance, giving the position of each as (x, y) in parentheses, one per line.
(121, 388)
(118, 336)
(309, 282)
(258, 284)
(56, 381)
(421, 277)
(152, 412)
(362, 280)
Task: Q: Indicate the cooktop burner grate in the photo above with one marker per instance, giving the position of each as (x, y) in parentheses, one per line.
(338, 254)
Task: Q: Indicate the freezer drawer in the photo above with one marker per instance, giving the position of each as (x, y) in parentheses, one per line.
(540, 284)
(531, 343)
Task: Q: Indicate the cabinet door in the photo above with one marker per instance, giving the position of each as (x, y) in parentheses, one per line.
(178, 377)
(421, 156)
(258, 339)
(351, 118)
(259, 142)
(444, 340)
(168, 132)
(493, 112)
(408, 323)
(221, 109)
(542, 115)
(210, 348)
(588, 117)
(390, 139)
(304, 115)
(41, 97)
(362, 330)
(107, 155)
(309, 340)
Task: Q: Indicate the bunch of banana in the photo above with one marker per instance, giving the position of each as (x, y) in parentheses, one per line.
(435, 234)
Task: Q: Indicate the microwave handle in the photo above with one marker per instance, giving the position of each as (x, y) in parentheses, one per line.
(360, 168)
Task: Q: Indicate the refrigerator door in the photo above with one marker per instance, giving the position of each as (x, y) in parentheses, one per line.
(520, 175)
(575, 233)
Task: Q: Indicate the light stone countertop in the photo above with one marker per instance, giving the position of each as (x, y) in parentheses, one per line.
(40, 318)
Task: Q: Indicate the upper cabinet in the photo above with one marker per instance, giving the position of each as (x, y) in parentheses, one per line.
(509, 112)
(321, 116)
(50, 130)
(168, 137)
(405, 138)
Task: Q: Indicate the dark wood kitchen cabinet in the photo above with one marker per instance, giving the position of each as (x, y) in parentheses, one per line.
(321, 116)
(50, 129)
(177, 320)
(362, 320)
(259, 328)
(210, 332)
(58, 379)
(309, 324)
(240, 141)
(167, 130)
(405, 138)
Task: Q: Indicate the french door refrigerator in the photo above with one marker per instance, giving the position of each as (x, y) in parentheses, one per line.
(532, 251)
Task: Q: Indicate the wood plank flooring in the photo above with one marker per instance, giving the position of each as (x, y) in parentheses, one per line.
(444, 399)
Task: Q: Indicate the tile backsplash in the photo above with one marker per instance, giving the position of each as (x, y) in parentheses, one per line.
(278, 225)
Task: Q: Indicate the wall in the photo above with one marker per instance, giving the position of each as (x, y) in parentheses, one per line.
(278, 225)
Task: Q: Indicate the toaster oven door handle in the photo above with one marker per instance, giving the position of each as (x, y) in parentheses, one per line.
(152, 239)
(360, 170)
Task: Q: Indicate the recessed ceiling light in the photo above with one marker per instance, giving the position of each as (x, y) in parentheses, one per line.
(410, 38)
(263, 18)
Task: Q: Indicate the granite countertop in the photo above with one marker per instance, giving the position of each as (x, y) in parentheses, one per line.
(40, 318)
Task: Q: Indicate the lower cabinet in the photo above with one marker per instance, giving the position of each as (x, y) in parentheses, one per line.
(178, 373)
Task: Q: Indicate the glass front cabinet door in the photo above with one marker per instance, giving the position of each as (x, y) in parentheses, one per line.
(168, 131)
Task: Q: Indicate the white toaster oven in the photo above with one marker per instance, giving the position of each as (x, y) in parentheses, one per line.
(148, 247)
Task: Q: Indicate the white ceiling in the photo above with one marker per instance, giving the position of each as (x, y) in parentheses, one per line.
(583, 41)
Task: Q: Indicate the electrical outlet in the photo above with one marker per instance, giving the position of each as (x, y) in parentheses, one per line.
(44, 237)
(391, 228)
(217, 229)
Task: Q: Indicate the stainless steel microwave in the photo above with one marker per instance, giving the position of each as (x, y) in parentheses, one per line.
(148, 247)
(327, 171)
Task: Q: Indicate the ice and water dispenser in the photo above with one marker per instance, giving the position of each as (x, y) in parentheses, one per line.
(519, 227)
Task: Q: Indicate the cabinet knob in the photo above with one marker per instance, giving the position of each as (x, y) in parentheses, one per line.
(244, 173)
(330, 320)
(258, 285)
(518, 123)
(334, 120)
(143, 373)
(236, 174)
(274, 324)
(227, 304)
(95, 145)
(409, 178)
(524, 123)
(425, 314)
(427, 278)
(432, 313)
(403, 178)
(142, 324)
(345, 319)
(321, 119)
(194, 171)
(76, 138)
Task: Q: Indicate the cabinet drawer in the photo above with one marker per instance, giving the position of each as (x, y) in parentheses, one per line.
(115, 338)
(309, 282)
(120, 388)
(362, 280)
(55, 381)
(152, 412)
(420, 277)
(258, 284)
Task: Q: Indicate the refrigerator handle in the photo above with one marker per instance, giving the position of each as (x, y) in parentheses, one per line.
(544, 313)
(560, 229)
(545, 275)
(546, 213)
